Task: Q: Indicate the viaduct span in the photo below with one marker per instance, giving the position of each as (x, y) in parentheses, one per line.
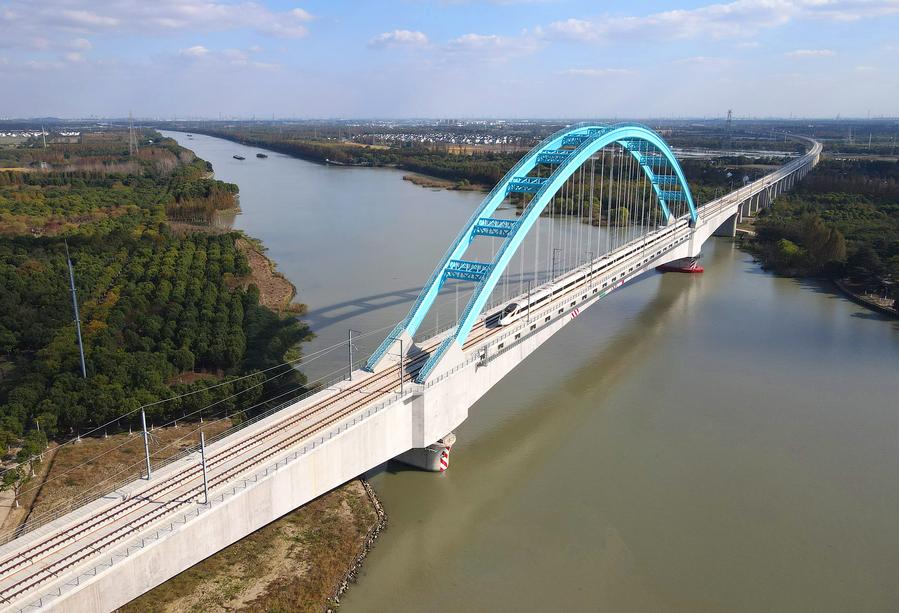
(412, 392)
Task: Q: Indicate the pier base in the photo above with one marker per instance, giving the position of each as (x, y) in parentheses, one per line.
(433, 458)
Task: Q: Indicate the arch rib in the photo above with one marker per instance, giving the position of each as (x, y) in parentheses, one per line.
(647, 147)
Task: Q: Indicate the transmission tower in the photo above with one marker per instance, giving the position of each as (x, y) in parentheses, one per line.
(75, 310)
(132, 138)
(728, 127)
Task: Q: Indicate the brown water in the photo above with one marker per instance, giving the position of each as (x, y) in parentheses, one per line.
(718, 442)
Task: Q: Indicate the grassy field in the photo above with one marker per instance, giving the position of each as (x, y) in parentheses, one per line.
(95, 465)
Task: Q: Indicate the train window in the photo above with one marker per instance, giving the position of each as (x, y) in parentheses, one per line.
(595, 290)
(560, 310)
(547, 318)
(573, 302)
(500, 346)
(604, 284)
(518, 336)
(511, 308)
(533, 326)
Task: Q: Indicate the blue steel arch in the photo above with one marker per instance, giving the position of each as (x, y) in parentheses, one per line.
(567, 149)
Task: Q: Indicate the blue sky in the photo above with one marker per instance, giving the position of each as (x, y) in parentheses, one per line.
(449, 58)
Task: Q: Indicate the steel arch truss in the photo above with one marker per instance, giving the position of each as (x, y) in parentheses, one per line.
(566, 151)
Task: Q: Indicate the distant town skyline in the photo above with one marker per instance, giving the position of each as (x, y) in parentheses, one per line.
(449, 58)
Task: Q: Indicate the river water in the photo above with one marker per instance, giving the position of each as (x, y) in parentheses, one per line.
(718, 442)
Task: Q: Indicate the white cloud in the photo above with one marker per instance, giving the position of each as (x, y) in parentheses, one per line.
(810, 53)
(81, 43)
(196, 51)
(850, 10)
(82, 18)
(597, 72)
(490, 47)
(703, 60)
(301, 15)
(866, 69)
(737, 19)
(74, 57)
(399, 38)
(233, 58)
(85, 16)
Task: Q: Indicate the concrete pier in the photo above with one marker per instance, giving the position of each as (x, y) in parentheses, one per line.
(433, 458)
(729, 227)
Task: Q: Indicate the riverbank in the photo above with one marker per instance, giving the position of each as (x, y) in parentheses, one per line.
(438, 183)
(275, 290)
(746, 239)
(867, 302)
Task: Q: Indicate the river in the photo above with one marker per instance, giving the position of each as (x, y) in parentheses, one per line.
(718, 442)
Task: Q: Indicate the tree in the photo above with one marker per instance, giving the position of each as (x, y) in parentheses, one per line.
(864, 263)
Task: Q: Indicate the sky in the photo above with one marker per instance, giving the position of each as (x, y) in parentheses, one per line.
(449, 58)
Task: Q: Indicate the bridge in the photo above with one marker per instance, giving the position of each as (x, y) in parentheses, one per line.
(589, 209)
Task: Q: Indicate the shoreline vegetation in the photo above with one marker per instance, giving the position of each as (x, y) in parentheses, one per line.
(841, 224)
(438, 183)
(171, 302)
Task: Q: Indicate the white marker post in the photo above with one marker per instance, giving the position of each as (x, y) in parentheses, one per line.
(143, 422)
(203, 462)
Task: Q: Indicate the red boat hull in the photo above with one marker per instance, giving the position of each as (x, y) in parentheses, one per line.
(681, 266)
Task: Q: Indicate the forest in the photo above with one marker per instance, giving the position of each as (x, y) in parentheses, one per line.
(56, 189)
(841, 221)
(163, 313)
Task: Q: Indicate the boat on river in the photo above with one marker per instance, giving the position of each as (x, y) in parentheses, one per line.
(238, 157)
(261, 156)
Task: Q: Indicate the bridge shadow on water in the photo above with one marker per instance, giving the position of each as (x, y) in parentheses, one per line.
(332, 314)
(342, 311)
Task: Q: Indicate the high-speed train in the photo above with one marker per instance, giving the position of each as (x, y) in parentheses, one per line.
(515, 310)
